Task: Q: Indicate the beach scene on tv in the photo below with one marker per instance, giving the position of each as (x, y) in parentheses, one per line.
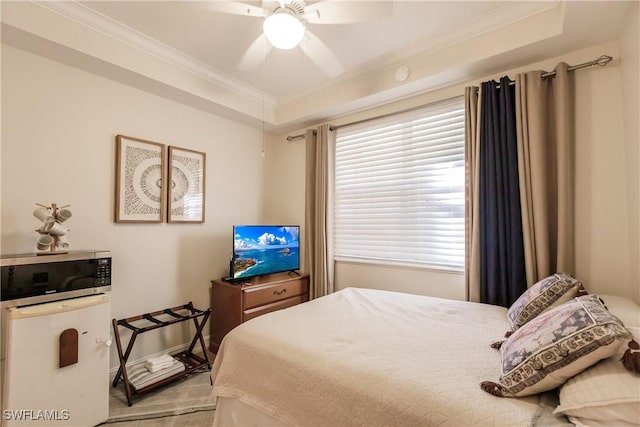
(265, 249)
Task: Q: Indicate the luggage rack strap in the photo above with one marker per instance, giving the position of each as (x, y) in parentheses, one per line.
(174, 314)
(152, 319)
(128, 325)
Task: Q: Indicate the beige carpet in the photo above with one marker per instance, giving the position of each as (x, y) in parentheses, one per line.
(187, 395)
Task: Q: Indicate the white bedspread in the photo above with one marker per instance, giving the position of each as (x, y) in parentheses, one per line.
(371, 358)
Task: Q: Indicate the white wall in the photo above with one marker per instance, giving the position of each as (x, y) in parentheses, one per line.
(601, 205)
(58, 145)
(606, 175)
(630, 68)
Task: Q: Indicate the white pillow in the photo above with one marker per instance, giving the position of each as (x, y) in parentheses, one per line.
(604, 394)
(623, 308)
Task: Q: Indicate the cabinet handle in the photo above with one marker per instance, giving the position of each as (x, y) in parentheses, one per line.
(280, 292)
(106, 341)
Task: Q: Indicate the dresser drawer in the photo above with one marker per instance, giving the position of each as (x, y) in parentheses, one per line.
(261, 295)
(255, 312)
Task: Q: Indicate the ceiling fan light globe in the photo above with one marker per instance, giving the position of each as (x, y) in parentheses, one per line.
(283, 30)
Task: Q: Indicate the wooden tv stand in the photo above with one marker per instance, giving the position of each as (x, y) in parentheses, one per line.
(234, 303)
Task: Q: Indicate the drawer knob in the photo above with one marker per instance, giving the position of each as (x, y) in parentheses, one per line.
(280, 292)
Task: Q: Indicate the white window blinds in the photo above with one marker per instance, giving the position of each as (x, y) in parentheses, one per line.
(399, 188)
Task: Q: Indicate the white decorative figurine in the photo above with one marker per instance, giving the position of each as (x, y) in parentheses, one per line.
(52, 239)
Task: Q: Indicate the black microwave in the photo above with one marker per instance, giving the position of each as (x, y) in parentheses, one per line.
(32, 279)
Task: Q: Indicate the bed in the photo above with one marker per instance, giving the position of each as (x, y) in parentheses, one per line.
(374, 358)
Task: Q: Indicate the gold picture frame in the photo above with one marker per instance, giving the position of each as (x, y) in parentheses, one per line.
(186, 185)
(140, 180)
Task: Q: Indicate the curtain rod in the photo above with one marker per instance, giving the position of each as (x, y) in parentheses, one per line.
(601, 61)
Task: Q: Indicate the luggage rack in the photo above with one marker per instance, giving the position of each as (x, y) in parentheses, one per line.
(191, 361)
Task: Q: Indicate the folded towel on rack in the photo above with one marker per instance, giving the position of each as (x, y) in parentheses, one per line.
(157, 367)
(160, 359)
(140, 377)
(155, 364)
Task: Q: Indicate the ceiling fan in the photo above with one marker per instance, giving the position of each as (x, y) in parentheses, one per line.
(285, 26)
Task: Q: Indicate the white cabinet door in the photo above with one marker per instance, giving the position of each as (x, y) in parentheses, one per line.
(39, 392)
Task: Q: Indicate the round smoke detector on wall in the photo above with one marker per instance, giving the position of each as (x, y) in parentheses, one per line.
(402, 73)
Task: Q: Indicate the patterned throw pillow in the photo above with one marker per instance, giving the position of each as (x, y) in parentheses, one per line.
(547, 293)
(557, 345)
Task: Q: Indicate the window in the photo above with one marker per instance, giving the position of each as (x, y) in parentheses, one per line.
(399, 188)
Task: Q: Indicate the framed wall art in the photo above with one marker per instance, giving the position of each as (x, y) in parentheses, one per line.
(186, 185)
(140, 189)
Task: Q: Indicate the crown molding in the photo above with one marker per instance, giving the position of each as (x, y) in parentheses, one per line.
(81, 14)
(434, 63)
(428, 60)
(494, 20)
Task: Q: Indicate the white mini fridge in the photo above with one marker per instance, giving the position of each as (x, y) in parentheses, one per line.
(39, 391)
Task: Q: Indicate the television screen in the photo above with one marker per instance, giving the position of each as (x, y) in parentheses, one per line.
(264, 249)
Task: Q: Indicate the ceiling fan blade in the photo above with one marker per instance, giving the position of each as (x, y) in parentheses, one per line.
(235, 8)
(255, 54)
(345, 12)
(321, 55)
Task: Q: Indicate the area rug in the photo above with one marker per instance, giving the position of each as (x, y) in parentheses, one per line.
(186, 395)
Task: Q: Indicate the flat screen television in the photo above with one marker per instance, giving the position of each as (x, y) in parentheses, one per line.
(264, 249)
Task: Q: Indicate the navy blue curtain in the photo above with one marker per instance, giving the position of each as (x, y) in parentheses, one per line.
(502, 267)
